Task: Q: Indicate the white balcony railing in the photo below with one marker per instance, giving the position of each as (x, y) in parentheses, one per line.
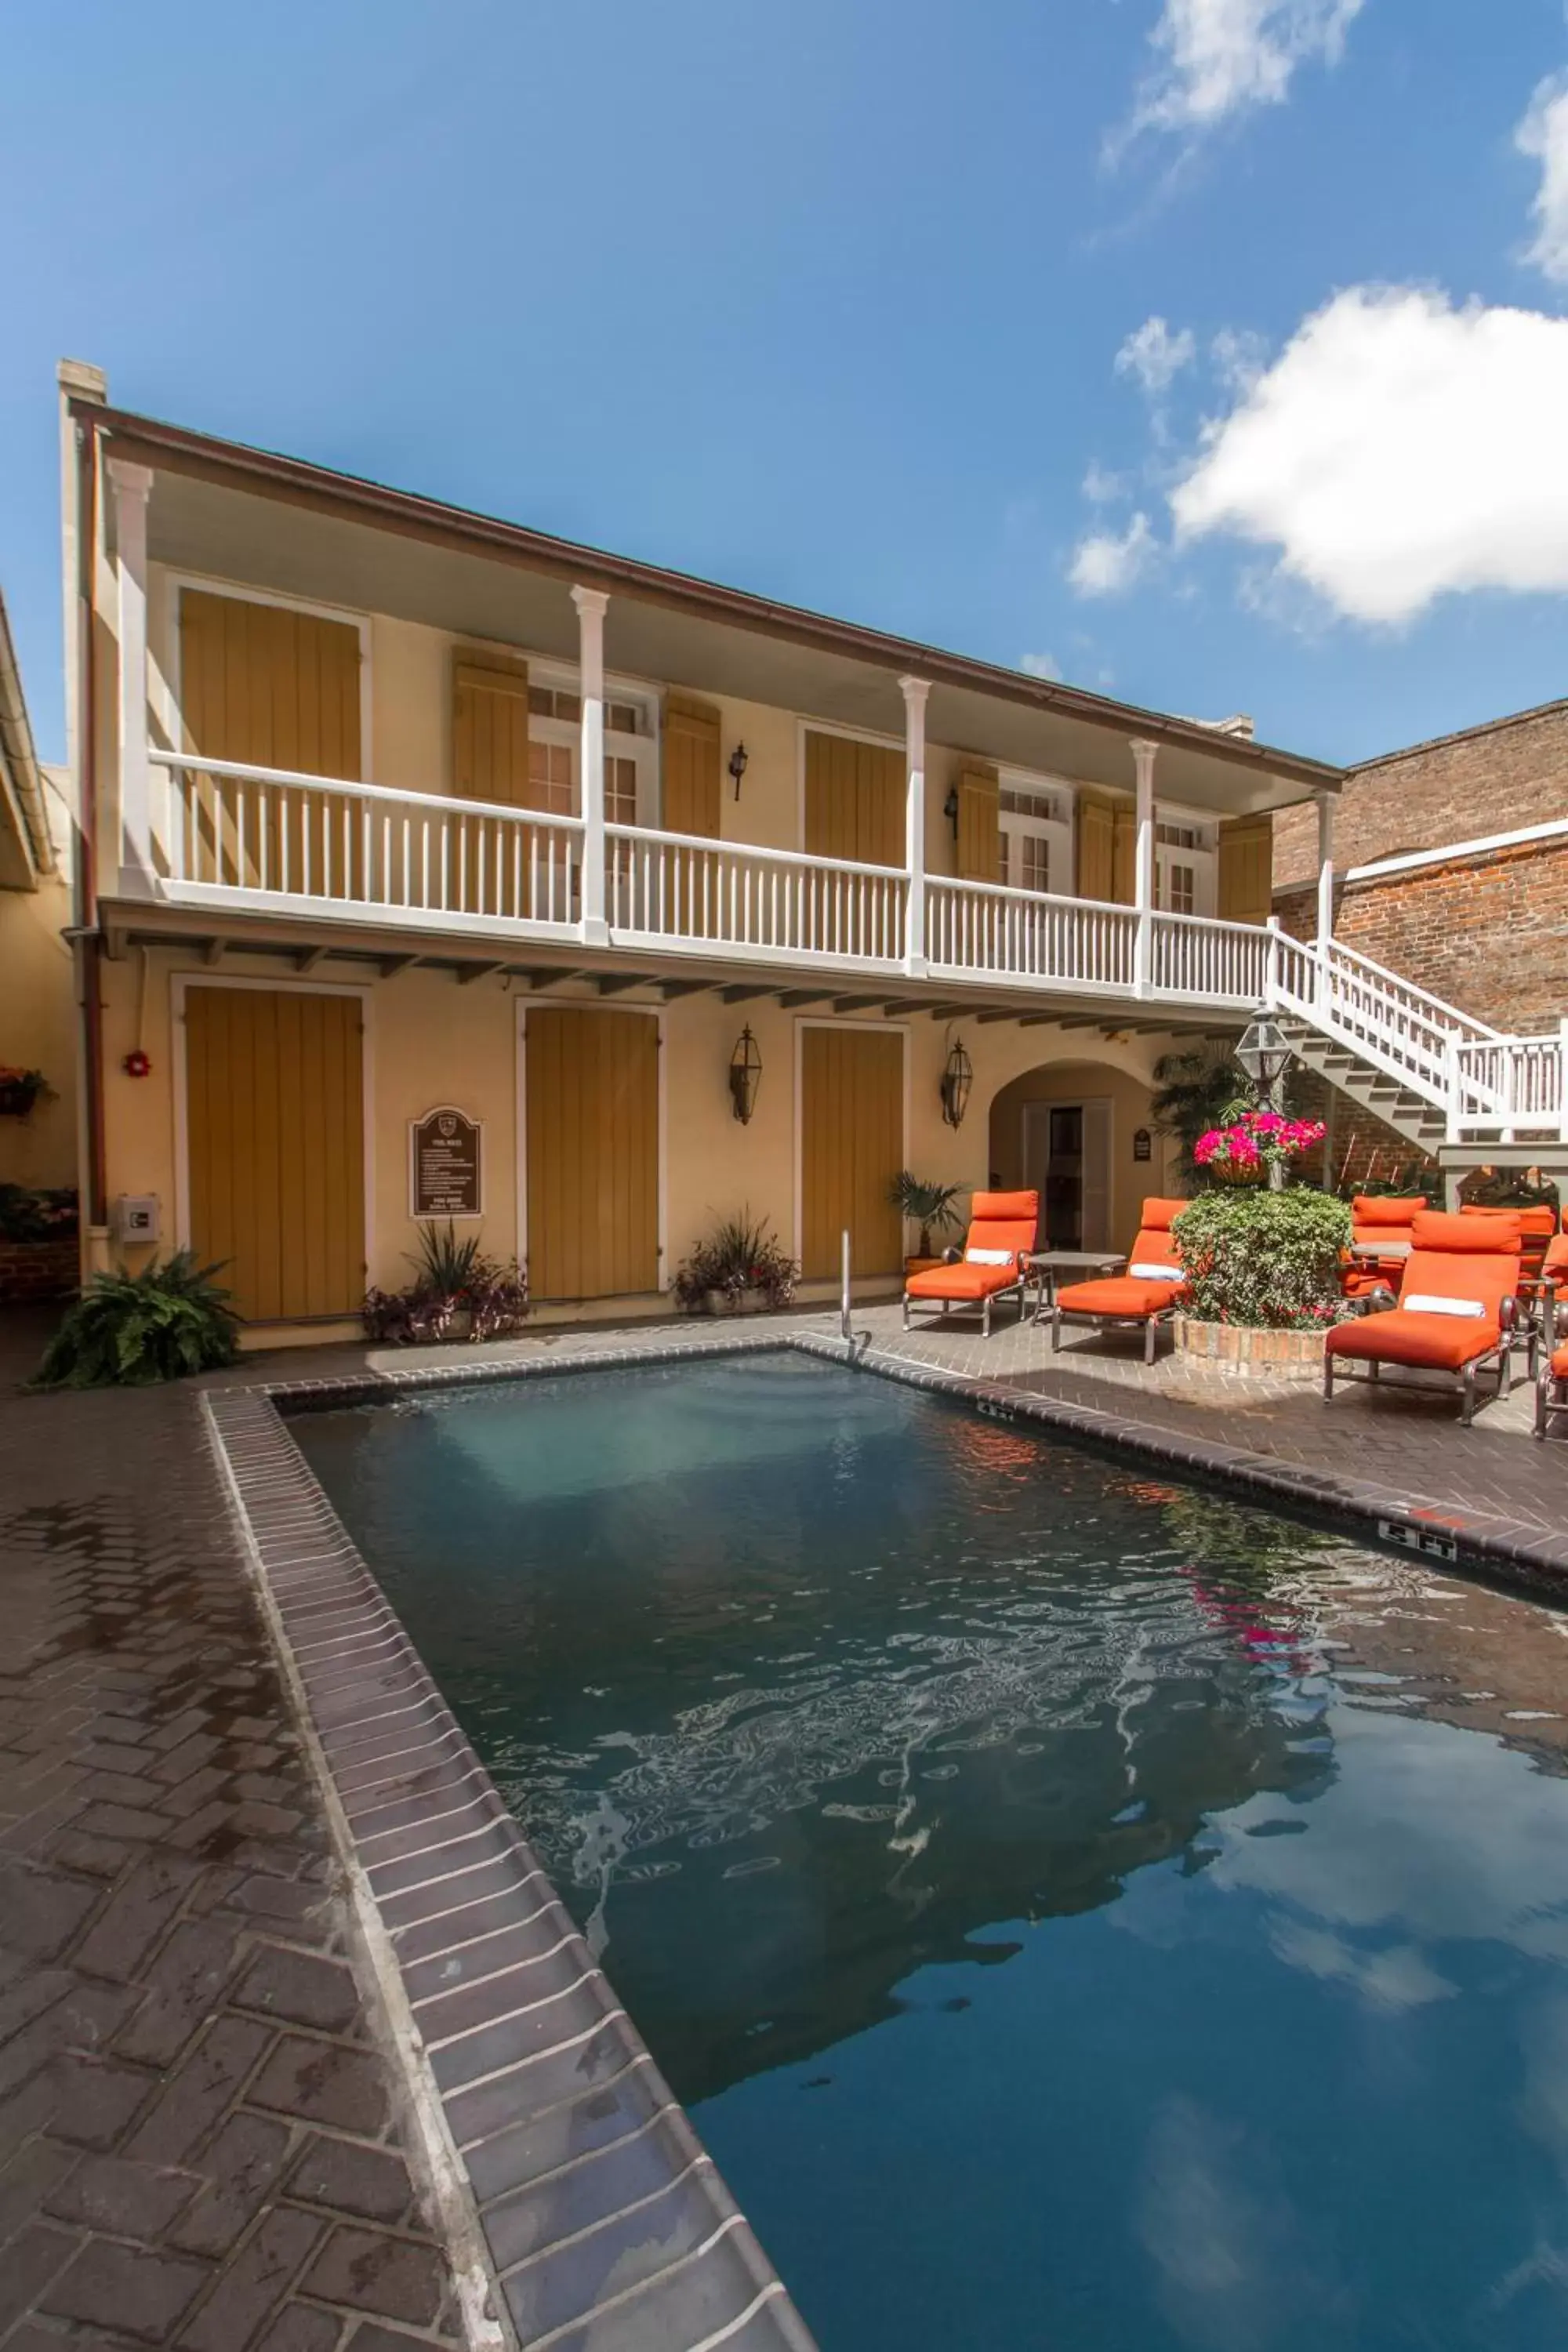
(725, 897)
(275, 836)
(983, 931)
(1195, 959)
(223, 833)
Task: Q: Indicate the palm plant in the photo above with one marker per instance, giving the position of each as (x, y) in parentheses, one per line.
(1194, 1090)
(925, 1205)
(127, 1330)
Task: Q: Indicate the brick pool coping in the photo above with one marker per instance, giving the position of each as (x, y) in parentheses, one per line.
(565, 2168)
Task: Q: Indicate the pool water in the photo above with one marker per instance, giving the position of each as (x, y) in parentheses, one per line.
(1079, 1911)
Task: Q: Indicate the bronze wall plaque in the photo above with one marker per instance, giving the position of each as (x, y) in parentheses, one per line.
(446, 1165)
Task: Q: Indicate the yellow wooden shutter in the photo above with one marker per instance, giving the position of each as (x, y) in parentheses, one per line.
(1124, 859)
(269, 685)
(489, 729)
(692, 772)
(851, 1147)
(592, 1107)
(1246, 869)
(855, 800)
(1095, 844)
(979, 828)
(275, 1131)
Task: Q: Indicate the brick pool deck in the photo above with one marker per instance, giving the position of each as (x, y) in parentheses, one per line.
(205, 2133)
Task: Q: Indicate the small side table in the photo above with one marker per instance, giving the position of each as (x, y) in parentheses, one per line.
(1046, 1265)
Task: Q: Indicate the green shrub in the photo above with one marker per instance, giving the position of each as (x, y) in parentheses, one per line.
(1270, 1260)
(127, 1330)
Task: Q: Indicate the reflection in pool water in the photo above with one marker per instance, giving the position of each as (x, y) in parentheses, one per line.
(1079, 1911)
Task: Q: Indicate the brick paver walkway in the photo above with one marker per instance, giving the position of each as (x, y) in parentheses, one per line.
(199, 2142)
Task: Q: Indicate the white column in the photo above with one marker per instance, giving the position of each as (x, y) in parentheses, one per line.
(915, 690)
(591, 603)
(1325, 869)
(131, 485)
(1144, 868)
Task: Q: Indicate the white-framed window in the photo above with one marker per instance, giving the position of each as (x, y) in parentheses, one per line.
(1185, 864)
(1034, 833)
(555, 744)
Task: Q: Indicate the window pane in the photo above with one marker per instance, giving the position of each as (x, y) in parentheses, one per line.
(621, 717)
(542, 702)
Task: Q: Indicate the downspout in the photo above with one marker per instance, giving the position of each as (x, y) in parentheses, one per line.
(89, 939)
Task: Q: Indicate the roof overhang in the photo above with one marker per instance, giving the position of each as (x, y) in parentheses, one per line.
(268, 521)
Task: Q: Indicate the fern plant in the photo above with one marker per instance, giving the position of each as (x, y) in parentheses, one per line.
(129, 1330)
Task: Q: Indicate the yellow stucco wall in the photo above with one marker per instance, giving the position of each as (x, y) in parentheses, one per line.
(431, 1041)
(37, 1031)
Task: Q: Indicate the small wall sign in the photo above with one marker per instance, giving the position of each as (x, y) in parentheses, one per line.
(446, 1165)
(1142, 1144)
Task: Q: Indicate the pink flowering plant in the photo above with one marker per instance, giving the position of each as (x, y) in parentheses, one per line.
(1253, 1142)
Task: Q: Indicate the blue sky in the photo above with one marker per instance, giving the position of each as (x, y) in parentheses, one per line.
(826, 301)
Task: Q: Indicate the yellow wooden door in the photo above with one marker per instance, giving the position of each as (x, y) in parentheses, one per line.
(592, 1112)
(271, 687)
(275, 1128)
(1246, 869)
(855, 800)
(851, 1147)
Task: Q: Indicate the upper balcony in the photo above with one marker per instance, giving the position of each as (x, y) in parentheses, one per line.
(577, 758)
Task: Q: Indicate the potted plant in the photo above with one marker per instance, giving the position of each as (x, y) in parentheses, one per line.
(740, 1270)
(926, 1205)
(1263, 1277)
(457, 1293)
(20, 1090)
(1254, 1147)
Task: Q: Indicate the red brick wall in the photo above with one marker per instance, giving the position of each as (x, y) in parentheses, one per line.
(1488, 780)
(37, 1269)
(1489, 934)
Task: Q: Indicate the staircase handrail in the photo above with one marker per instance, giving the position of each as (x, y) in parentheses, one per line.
(1437, 1009)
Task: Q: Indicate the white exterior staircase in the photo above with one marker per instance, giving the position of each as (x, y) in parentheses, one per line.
(1444, 1081)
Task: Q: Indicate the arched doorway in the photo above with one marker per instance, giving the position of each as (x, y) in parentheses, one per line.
(1081, 1134)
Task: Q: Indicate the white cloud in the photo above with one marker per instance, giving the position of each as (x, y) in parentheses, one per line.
(1041, 665)
(1543, 137)
(1155, 356)
(1107, 563)
(1398, 449)
(1100, 487)
(1218, 57)
(1238, 356)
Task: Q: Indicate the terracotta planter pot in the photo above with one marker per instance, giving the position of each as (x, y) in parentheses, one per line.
(1252, 1354)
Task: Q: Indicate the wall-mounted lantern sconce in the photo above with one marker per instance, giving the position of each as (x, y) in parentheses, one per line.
(950, 809)
(738, 762)
(956, 1081)
(745, 1076)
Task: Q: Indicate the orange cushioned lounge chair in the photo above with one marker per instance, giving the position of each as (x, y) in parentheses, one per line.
(1001, 1228)
(1145, 1294)
(1454, 1311)
(1379, 1217)
(1551, 1389)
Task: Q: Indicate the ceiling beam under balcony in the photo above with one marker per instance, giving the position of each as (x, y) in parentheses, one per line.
(789, 997)
(306, 959)
(390, 966)
(857, 1003)
(612, 983)
(670, 988)
(468, 973)
(744, 995)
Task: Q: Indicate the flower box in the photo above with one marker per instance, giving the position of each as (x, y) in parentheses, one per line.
(1243, 1349)
(734, 1302)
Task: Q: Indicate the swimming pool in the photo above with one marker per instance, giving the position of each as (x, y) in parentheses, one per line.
(1077, 1910)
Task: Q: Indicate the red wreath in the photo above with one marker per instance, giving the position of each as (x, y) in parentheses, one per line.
(137, 1065)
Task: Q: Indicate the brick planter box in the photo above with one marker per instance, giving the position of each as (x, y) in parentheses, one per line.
(31, 1270)
(1236, 1347)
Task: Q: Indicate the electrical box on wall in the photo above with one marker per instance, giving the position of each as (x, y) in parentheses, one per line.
(136, 1217)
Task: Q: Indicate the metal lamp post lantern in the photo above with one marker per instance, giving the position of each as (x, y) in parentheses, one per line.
(1265, 1053)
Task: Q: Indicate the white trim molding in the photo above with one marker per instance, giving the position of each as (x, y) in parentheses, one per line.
(1555, 829)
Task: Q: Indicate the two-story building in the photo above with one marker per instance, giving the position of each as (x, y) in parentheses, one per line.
(434, 863)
